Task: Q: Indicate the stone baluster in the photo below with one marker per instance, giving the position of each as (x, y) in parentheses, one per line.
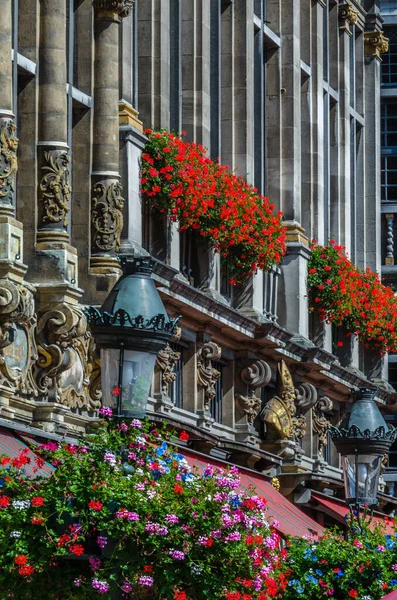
(106, 191)
(390, 240)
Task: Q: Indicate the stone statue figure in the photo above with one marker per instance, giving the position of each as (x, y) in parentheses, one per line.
(279, 412)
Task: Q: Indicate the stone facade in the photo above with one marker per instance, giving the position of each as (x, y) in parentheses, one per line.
(273, 89)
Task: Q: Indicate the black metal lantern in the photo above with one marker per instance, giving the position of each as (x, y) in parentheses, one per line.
(130, 328)
(362, 439)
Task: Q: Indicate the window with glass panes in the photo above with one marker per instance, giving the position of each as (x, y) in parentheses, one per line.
(389, 64)
(389, 152)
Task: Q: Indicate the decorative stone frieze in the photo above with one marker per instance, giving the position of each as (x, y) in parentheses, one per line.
(65, 348)
(255, 377)
(320, 421)
(375, 44)
(112, 10)
(55, 189)
(207, 375)
(347, 16)
(17, 336)
(8, 160)
(107, 215)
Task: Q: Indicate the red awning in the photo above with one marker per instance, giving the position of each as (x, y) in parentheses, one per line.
(338, 510)
(391, 596)
(292, 521)
(12, 446)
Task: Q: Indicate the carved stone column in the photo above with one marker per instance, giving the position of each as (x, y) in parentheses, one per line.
(390, 239)
(106, 192)
(54, 189)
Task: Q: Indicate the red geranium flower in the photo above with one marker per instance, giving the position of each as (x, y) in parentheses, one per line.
(37, 501)
(178, 489)
(26, 570)
(76, 549)
(183, 436)
(95, 505)
(4, 501)
(21, 559)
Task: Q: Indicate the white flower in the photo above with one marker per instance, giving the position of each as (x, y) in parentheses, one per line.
(20, 504)
(15, 534)
(151, 494)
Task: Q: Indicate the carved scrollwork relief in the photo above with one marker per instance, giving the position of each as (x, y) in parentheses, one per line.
(255, 377)
(347, 16)
(55, 187)
(166, 361)
(107, 216)
(320, 421)
(65, 349)
(17, 336)
(306, 397)
(375, 44)
(8, 159)
(207, 375)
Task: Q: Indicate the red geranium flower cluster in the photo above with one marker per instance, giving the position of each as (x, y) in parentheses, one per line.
(348, 297)
(182, 182)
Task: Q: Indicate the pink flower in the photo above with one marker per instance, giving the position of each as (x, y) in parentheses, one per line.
(145, 580)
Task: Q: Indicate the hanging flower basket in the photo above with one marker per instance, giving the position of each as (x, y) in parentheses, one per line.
(182, 183)
(351, 298)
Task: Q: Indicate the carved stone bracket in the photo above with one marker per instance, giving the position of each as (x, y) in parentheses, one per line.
(166, 361)
(112, 10)
(106, 216)
(306, 397)
(347, 16)
(207, 376)
(17, 336)
(65, 365)
(375, 44)
(255, 376)
(8, 160)
(320, 421)
(55, 189)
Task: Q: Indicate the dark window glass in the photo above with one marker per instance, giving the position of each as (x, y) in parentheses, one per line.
(389, 64)
(216, 403)
(176, 388)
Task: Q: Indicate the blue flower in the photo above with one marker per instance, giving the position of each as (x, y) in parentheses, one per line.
(393, 582)
(318, 572)
(300, 589)
(307, 553)
(339, 574)
(311, 579)
(390, 544)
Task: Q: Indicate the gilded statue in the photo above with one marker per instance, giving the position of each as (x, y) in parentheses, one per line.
(279, 412)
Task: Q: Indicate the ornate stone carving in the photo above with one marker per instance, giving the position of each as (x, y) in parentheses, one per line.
(113, 10)
(306, 397)
(65, 349)
(207, 376)
(166, 361)
(279, 412)
(107, 216)
(55, 188)
(390, 239)
(255, 376)
(348, 16)
(8, 159)
(276, 483)
(320, 421)
(375, 43)
(17, 340)
(94, 371)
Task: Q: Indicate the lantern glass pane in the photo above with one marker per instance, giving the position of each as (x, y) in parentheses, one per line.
(137, 377)
(367, 473)
(110, 360)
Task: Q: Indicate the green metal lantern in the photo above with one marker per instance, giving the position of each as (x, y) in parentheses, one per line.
(130, 328)
(362, 439)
